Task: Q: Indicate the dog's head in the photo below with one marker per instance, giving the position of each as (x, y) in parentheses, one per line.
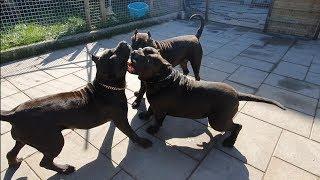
(147, 63)
(112, 64)
(141, 40)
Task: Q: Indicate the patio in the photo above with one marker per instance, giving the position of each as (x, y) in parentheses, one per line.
(273, 144)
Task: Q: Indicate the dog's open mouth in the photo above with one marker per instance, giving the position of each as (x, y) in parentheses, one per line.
(131, 68)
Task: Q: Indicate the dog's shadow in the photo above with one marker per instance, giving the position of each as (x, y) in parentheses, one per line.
(89, 171)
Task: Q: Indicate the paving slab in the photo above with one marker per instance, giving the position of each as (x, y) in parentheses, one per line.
(315, 133)
(133, 83)
(63, 84)
(23, 172)
(19, 66)
(7, 88)
(9, 103)
(257, 52)
(30, 79)
(299, 151)
(122, 175)
(210, 47)
(279, 169)
(313, 78)
(248, 76)
(298, 57)
(209, 74)
(294, 85)
(106, 136)
(82, 58)
(225, 53)
(255, 143)
(54, 55)
(219, 64)
(315, 68)
(190, 137)
(289, 99)
(253, 63)
(88, 74)
(7, 143)
(291, 120)
(291, 70)
(218, 165)
(109, 43)
(62, 70)
(161, 160)
(92, 48)
(89, 163)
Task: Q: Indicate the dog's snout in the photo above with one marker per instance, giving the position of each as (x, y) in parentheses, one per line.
(123, 43)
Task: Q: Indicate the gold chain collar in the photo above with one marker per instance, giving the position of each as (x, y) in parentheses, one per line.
(113, 88)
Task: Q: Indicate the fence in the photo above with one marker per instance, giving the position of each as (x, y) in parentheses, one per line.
(95, 13)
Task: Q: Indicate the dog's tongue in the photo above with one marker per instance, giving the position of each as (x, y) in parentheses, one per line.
(130, 67)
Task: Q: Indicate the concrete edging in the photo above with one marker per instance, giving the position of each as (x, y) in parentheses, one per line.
(67, 41)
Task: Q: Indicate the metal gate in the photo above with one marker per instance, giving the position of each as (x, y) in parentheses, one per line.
(248, 13)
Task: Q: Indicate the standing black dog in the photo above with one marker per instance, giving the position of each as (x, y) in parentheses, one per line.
(177, 50)
(171, 93)
(39, 122)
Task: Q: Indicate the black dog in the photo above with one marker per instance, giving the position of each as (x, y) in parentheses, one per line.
(39, 122)
(171, 93)
(177, 50)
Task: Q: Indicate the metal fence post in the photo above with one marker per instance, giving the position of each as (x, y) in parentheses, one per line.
(87, 13)
(103, 11)
(206, 18)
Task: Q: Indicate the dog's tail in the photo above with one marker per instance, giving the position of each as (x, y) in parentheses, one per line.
(7, 116)
(199, 32)
(251, 97)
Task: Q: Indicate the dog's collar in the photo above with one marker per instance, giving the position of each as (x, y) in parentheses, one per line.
(113, 88)
(166, 78)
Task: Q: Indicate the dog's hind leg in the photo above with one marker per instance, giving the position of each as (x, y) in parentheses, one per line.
(139, 94)
(184, 67)
(195, 64)
(146, 114)
(12, 155)
(51, 148)
(159, 118)
(229, 141)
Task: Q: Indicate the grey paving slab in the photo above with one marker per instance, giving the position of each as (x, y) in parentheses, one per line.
(291, 70)
(89, 163)
(140, 163)
(92, 48)
(316, 59)
(219, 64)
(248, 76)
(19, 67)
(279, 169)
(253, 63)
(313, 78)
(299, 151)
(190, 137)
(133, 83)
(63, 53)
(7, 89)
(294, 85)
(9, 103)
(287, 119)
(208, 48)
(88, 74)
(209, 74)
(315, 133)
(298, 57)
(62, 70)
(315, 68)
(218, 165)
(82, 59)
(109, 43)
(30, 79)
(7, 143)
(106, 136)
(257, 52)
(225, 53)
(122, 175)
(23, 172)
(255, 143)
(63, 84)
(289, 99)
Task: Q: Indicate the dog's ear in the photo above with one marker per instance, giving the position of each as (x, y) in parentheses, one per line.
(94, 58)
(149, 35)
(158, 59)
(135, 32)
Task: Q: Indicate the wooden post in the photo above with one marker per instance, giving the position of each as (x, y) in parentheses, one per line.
(266, 24)
(206, 18)
(87, 13)
(316, 35)
(103, 11)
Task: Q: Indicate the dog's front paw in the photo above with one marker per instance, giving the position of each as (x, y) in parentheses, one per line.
(228, 143)
(136, 93)
(152, 129)
(135, 104)
(145, 143)
(68, 170)
(15, 163)
(144, 115)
